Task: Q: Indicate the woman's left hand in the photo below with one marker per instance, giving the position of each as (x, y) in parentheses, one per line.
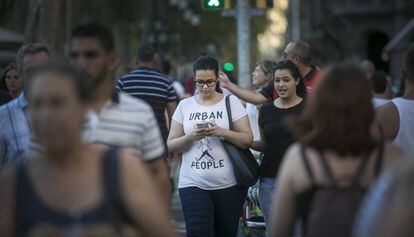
(214, 130)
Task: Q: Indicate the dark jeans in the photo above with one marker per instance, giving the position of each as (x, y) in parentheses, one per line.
(211, 213)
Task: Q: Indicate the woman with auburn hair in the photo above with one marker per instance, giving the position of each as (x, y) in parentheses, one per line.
(325, 175)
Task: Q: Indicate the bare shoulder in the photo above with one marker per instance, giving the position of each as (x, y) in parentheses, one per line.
(130, 157)
(388, 119)
(132, 167)
(294, 169)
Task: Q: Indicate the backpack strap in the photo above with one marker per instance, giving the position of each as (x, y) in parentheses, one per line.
(113, 192)
(378, 163)
(327, 170)
(360, 170)
(306, 162)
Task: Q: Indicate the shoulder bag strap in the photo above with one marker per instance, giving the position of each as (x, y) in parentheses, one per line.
(228, 108)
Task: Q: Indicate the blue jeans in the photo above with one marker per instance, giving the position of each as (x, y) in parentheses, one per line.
(267, 186)
(209, 213)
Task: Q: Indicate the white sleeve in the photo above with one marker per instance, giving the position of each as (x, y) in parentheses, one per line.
(153, 142)
(237, 109)
(178, 114)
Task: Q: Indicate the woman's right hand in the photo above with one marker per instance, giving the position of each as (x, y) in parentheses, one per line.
(197, 134)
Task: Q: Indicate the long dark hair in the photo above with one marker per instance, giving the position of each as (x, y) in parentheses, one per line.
(208, 63)
(3, 86)
(294, 71)
(339, 114)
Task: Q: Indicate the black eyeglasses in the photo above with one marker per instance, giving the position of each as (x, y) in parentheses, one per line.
(209, 82)
(91, 54)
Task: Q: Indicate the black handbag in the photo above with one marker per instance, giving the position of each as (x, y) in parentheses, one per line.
(245, 167)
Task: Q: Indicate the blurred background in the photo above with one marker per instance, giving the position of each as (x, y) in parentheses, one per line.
(180, 30)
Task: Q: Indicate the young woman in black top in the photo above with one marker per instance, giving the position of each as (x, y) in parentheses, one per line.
(275, 138)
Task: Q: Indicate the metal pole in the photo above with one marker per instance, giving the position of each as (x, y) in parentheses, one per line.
(243, 43)
(407, 28)
(295, 19)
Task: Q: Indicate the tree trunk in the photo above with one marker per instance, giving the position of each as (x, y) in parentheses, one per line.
(48, 22)
(122, 42)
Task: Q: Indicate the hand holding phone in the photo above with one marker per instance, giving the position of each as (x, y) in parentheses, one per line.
(201, 125)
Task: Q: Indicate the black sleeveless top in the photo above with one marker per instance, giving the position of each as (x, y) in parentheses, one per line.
(34, 218)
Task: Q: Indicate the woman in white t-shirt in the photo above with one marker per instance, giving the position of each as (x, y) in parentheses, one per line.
(210, 197)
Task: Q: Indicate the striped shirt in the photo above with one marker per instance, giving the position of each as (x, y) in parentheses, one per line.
(14, 132)
(127, 123)
(124, 121)
(152, 87)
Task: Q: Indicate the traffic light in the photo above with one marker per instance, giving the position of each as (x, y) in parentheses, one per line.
(229, 67)
(215, 4)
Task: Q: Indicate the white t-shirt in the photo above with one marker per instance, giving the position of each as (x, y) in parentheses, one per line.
(205, 163)
(405, 135)
(377, 102)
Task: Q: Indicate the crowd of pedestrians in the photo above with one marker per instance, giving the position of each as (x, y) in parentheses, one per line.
(84, 144)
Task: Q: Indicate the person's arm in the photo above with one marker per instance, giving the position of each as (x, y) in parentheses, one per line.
(253, 97)
(291, 180)
(7, 204)
(119, 85)
(171, 106)
(178, 141)
(241, 135)
(141, 199)
(159, 171)
(259, 145)
(388, 120)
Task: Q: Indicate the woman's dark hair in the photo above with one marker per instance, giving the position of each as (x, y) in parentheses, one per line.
(78, 78)
(3, 86)
(208, 63)
(339, 114)
(294, 71)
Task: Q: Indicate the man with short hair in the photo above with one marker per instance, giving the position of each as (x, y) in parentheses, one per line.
(148, 84)
(14, 122)
(299, 53)
(396, 119)
(116, 118)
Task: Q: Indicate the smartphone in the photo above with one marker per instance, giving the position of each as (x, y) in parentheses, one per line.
(202, 125)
